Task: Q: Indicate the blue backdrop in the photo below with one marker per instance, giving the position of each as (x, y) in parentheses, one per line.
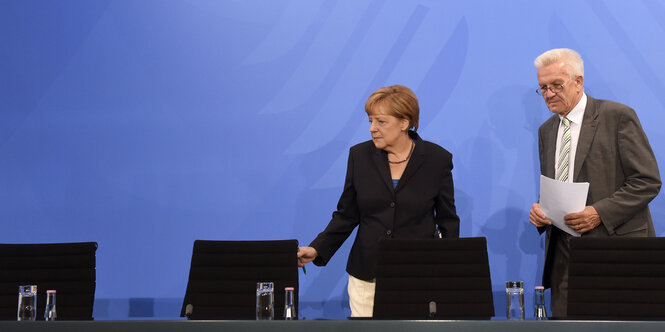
(144, 125)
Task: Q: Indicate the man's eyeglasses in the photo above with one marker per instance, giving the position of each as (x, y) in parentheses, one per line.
(554, 88)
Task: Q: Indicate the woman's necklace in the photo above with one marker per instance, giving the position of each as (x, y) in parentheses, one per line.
(407, 157)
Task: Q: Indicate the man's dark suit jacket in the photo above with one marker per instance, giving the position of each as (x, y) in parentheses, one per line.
(614, 156)
(423, 198)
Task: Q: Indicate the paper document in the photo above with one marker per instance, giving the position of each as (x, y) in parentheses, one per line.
(558, 199)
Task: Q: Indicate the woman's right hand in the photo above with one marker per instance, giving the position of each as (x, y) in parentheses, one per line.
(306, 255)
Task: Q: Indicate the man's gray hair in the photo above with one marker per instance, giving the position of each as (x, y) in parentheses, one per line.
(573, 60)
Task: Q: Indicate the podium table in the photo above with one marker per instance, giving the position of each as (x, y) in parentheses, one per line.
(332, 325)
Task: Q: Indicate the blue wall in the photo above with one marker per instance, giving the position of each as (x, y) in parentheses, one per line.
(144, 125)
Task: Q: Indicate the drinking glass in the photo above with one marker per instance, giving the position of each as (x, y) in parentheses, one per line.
(27, 302)
(515, 300)
(264, 301)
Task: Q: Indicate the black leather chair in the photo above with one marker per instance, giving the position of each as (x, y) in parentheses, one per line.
(223, 277)
(433, 278)
(68, 268)
(616, 278)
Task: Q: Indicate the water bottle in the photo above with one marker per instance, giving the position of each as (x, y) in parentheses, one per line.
(27, 302)
(515, 300)
(264, 301)
(539, 309)
(49, 312)
(289, 304)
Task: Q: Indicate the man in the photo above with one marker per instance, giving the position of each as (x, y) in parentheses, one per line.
(595, 141)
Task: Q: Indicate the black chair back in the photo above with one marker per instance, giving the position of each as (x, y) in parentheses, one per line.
(223, 277)
(68, 268)
(433, 278)
(616, 278)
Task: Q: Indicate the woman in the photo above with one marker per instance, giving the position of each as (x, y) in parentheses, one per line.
(397, 185)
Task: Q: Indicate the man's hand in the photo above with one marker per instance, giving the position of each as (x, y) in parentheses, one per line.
(583, 221)
(537, 217)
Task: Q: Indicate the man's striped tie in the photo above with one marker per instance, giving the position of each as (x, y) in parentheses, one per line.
(564, 152)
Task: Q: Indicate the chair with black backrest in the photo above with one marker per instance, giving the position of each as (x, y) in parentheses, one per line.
(68, 268)
(616, 278)
(223, 277)
(433, 278)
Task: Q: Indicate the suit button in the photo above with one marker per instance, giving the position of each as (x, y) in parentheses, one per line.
(389, 233)
(392, 204)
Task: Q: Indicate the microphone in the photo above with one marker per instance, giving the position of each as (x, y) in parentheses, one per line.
(188, 311)
(432, 309)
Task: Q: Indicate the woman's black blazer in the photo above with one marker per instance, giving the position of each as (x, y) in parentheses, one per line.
(422, 200)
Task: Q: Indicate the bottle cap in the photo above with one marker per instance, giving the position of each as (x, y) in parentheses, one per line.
(288, 288)
(539, 287)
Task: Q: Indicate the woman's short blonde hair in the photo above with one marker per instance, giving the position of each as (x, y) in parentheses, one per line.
(398, 100)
